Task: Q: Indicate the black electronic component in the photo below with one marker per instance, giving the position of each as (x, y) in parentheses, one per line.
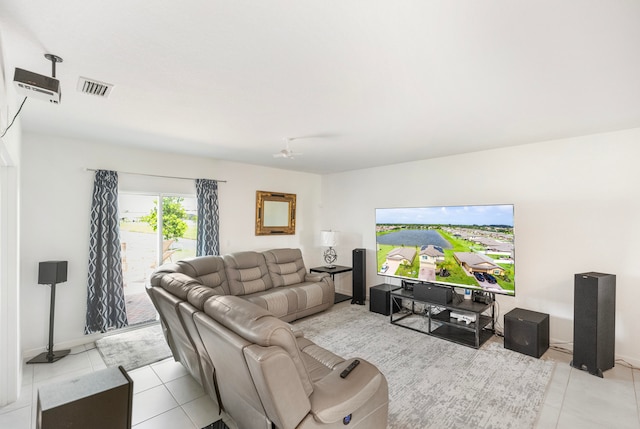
(359, 276)
(379, 300)
(594, 322)
(431, 292)
(526, 332)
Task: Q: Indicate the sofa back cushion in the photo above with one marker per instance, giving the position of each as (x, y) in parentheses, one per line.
(208, 270)
(161, 271)
(285, 266)
(178, 284)
(247, 273)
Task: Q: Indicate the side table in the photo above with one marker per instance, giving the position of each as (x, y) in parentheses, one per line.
(332, 271)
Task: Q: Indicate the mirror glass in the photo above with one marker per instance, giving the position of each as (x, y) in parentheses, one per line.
(275, 213)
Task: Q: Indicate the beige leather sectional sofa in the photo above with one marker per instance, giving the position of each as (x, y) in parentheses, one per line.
(225, 319)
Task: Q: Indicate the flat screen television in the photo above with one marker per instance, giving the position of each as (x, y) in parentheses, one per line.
(471, 247)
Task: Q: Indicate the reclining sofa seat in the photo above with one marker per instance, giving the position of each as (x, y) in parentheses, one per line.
(268, 375)
(179, 290)
(277, 281)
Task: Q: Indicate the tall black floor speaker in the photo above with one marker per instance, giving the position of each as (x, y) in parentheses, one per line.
(594, 322)
(359, 276)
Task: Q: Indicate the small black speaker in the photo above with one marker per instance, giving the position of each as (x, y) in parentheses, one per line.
(526, 331)
(359, 276)
(594, 322)
(52, 272)
(432, 293)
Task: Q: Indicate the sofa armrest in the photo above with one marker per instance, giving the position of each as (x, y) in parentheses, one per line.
(315, 277)
(278, 384)
(334, 397)
(297, 332)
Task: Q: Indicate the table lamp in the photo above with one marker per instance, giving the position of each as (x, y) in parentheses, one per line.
(328, 239)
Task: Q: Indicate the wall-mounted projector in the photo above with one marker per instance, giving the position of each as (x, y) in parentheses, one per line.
(36, 85)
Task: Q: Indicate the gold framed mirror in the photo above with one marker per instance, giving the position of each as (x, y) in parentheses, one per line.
(275, 213)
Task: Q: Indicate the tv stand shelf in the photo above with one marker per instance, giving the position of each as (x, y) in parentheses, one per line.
(435, 319)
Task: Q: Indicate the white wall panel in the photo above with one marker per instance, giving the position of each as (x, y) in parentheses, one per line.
(577, 209)
(57, 189)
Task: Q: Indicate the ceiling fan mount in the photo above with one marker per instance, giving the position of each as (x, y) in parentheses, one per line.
(287, 153)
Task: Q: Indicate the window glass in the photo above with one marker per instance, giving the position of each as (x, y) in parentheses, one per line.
(147, 243)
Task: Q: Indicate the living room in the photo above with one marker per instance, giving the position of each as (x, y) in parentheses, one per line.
(560, 204)
(574, 197)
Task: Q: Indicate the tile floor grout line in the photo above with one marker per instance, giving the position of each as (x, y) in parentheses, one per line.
(157, 415)
(564, 393)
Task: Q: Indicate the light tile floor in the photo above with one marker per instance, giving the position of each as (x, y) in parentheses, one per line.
(166, 397)
(577, 399)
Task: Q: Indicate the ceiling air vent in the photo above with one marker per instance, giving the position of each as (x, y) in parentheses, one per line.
(94, 87)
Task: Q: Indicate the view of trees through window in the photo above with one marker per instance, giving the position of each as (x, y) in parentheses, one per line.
(146, 243)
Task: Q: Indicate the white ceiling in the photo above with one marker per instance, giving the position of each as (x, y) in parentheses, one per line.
(376, 82)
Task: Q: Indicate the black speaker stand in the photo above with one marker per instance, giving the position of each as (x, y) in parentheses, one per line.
(50, 355)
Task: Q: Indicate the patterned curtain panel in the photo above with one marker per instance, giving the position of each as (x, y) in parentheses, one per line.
(208, 240)
(105, 301)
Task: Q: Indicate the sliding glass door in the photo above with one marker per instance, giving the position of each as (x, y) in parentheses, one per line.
(154, 229)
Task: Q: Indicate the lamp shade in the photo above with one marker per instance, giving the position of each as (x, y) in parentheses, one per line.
(328, 238)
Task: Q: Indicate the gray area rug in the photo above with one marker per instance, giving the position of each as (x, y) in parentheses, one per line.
(134, 349)
(434, 383)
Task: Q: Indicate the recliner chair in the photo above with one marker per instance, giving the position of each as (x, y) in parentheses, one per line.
(177, 297)
(269, 376)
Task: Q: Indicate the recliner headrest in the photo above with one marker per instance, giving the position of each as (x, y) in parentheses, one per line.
(178, 284)
(244, 318)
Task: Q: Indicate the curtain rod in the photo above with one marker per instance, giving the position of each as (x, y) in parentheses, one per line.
(157, 175)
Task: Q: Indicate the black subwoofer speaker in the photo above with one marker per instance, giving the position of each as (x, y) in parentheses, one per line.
(594, 322)
(380, 299)
(526, 331)
(359, 276)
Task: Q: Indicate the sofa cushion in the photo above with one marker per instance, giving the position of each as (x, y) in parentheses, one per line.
(285, 266)
(282, 302)
(178, 284)
(199, 294)
(156, 276)
(313, 294)
(208, 270)
(246, 273)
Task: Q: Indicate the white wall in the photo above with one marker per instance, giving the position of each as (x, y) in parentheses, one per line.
(577, 209)
(10, 353)
(56, 198)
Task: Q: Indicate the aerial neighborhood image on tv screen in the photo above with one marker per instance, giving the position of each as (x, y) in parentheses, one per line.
(471, 247)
